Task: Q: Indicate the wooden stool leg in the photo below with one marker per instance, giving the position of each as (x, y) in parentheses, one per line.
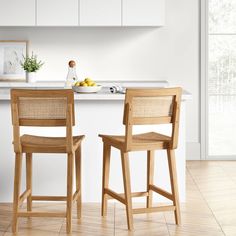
(127, 188)
(78, 180)
(150, 174)
(69, 192)
(174, 184)
(29, 180)
(105, 176)
(17, 182)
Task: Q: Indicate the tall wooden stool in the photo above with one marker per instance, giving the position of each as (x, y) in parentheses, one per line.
(45, 108)
(145, 107)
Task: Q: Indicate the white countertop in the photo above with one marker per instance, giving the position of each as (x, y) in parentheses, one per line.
(103, 94)
(60, 84)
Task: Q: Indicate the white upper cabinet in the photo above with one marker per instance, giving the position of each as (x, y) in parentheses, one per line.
(17, 12)
(82, 12)
(100, 12)
(57, 12)
(143, 12)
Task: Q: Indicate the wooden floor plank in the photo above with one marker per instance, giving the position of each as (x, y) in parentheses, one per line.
(91, 222)
(154, 224)
(218, 189)
(209, 210)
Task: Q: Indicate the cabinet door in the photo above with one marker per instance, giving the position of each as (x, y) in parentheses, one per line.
(143, 12)
(17, 12)
(57, 13)
(100, 12)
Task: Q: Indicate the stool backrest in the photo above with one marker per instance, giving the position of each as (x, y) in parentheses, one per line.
(42, 108)
(152, 106)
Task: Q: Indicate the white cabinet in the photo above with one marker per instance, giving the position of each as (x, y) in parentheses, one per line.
(82, 12)
(100, 12)
(17, 12)
(57, 13)
(143, 12)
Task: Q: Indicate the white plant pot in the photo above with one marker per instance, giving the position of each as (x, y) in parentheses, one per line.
(32, 77)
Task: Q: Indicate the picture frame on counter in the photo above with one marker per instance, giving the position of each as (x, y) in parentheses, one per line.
(11, 55)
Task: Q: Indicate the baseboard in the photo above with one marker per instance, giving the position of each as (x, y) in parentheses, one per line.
(193, 151)
(221, 158)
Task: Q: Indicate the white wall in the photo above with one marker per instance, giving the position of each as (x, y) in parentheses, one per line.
(170, 52)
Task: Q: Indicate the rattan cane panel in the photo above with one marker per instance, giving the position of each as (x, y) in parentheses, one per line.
(42, 108)
(152, 106)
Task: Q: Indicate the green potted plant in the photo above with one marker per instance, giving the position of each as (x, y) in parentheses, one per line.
(31, 65)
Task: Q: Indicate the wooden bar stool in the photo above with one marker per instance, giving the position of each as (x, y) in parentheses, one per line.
(144, 107)
(45, 108)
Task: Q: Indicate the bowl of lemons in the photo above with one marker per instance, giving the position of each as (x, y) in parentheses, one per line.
(86, 86)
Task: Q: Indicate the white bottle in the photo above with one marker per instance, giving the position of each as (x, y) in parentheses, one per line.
(71, 76)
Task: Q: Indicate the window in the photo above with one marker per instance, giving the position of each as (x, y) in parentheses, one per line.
(221, 90)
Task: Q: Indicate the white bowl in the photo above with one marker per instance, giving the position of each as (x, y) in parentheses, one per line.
(88, 89)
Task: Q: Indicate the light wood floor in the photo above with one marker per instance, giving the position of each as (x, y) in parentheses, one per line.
(210, 209)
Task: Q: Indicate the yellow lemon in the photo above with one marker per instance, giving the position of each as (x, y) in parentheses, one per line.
(90, 83)
(94, 84)
(87, 80)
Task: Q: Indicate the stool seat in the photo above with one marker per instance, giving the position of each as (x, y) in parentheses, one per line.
(150, 141)
(39, 144)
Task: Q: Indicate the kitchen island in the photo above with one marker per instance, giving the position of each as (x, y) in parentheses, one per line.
(99, 113)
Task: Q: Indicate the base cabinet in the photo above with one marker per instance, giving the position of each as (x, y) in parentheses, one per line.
(91, 120)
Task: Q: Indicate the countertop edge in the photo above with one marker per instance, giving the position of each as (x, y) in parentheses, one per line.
(102, 95)
(99, 97)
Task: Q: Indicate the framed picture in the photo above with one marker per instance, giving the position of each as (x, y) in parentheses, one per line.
(11, 55)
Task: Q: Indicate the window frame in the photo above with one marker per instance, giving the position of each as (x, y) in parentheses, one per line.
(204, 78)
(204, 101)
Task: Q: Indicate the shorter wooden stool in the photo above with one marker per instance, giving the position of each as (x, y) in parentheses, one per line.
(145, 107)
(45, 108)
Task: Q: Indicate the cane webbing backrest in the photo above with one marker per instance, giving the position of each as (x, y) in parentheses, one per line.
(152, 106)
(41, 107)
